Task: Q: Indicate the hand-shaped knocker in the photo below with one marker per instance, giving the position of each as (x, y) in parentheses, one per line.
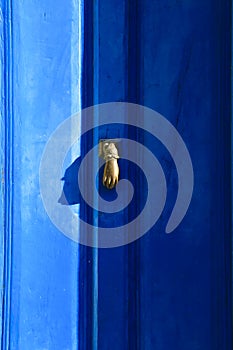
(111, 169)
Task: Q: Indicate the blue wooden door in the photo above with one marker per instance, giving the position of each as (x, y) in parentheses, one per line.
(158, 291)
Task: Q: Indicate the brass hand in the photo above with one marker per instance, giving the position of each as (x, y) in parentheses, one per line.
(111, 173)
(111, 169)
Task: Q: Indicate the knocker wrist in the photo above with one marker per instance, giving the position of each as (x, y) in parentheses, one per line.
(111, 158)
(110, 151)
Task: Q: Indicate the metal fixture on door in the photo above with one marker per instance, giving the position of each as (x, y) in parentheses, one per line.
(108, 150)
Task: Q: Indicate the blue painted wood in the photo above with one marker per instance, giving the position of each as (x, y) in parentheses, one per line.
(174, 291)
(7, 167)
(163, 291)
(41, 85)
(186, 78)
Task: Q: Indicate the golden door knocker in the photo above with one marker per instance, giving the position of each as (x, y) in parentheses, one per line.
(108, 150)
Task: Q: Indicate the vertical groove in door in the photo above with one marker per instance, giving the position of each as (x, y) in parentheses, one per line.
(95, 163)
(134, 96)
(2, 163)
(8, 172)
(86, 253)
(221, 303)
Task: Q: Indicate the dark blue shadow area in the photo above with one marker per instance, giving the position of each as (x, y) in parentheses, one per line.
(71, 194)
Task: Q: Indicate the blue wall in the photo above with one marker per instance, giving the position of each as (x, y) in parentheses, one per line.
(41, 299)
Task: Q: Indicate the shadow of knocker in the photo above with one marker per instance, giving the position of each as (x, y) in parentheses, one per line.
(110, 175)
